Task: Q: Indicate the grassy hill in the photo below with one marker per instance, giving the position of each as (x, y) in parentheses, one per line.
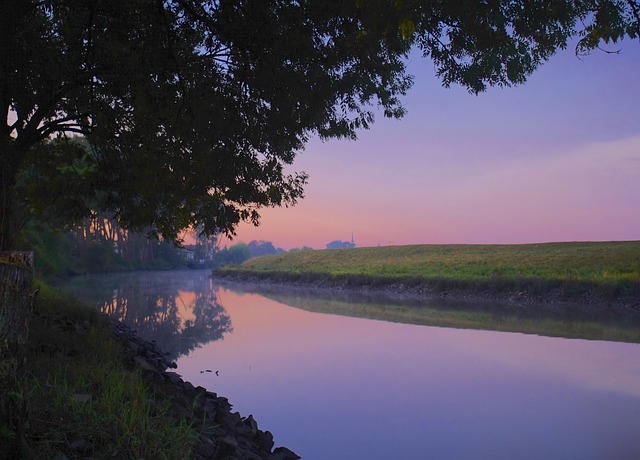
(574, 271)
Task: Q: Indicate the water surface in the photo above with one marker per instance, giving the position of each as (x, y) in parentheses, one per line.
(336, 387)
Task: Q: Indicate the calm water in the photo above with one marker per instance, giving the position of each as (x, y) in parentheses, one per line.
(338, 387)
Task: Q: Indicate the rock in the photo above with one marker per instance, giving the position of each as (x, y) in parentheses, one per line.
(282, 453)
(173, 378)
(79, 444)
(135, 346)
(234, 419)
(204, 439)
(252, 424)
(221, 434)
(181, 411)
(226, 447)
(207, 448)
(189, 389)
(204, 452)
(264, 440)
(245, 454)
(145, 364)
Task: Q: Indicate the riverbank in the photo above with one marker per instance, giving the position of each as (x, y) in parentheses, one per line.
(599, 279)
(93, 389)
(584, 299)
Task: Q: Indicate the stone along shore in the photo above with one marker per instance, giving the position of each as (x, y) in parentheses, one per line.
(222, 434)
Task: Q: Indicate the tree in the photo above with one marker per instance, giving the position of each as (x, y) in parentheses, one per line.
(609, 22)
(237, 254)
(192, 109)
(261, 248)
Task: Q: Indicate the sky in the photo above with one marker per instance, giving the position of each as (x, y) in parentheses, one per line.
(555, 159)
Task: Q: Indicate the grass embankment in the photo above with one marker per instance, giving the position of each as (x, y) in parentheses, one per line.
(569, 270)
(82, 399)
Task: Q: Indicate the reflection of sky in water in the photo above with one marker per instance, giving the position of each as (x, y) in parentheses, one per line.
(338, 387)
(333, 387)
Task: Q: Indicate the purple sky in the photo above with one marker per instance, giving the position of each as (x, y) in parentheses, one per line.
(556, 159)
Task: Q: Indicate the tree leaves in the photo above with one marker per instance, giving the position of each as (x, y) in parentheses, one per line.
(193, 109)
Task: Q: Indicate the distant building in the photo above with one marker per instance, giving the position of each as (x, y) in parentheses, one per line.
(187, 252)
(337, 244)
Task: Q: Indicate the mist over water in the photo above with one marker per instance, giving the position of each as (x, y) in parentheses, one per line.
(339, 387)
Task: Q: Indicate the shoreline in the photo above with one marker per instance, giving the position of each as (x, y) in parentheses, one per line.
(222, 433)
(559, 298)
(113, 393)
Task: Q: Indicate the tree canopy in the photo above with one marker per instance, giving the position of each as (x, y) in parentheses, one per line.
(190, 110)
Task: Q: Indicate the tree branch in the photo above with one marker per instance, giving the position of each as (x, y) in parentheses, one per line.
(635, 10)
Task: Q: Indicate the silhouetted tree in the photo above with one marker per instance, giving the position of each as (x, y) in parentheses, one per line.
(192, 108)
(237, 254)
(261, 248)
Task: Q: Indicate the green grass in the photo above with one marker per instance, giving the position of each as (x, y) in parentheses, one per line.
(618, 261)
(611, 267)
(82, 399)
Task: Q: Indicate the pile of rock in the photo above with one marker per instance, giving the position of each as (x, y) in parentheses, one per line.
(222, 434)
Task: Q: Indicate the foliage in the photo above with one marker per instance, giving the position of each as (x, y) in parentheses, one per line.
(501, 42)
(163, 90)
(193, 109)
(235, 255)
(97, 245)
(50, 248)
(610, 21)
(262, 248)
(100, 245)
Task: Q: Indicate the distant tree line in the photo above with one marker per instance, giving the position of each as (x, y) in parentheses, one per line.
(100, 245)
(241, 252)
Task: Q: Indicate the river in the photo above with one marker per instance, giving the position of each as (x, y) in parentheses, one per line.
(331, 386)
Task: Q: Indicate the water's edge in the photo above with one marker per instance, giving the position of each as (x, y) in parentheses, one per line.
(582, 300)
(221, 432)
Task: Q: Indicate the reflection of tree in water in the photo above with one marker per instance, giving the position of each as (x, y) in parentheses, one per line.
(179, 312)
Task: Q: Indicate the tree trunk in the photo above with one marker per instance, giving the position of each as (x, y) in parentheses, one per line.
(16, 306)
(7, 182)
(13, 215)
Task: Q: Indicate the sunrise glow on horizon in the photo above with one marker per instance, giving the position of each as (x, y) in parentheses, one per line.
(556, 159)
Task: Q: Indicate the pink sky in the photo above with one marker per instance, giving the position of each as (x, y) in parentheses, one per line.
(557, 159)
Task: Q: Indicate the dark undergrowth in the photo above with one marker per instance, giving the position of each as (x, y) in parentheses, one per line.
(80, 399)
